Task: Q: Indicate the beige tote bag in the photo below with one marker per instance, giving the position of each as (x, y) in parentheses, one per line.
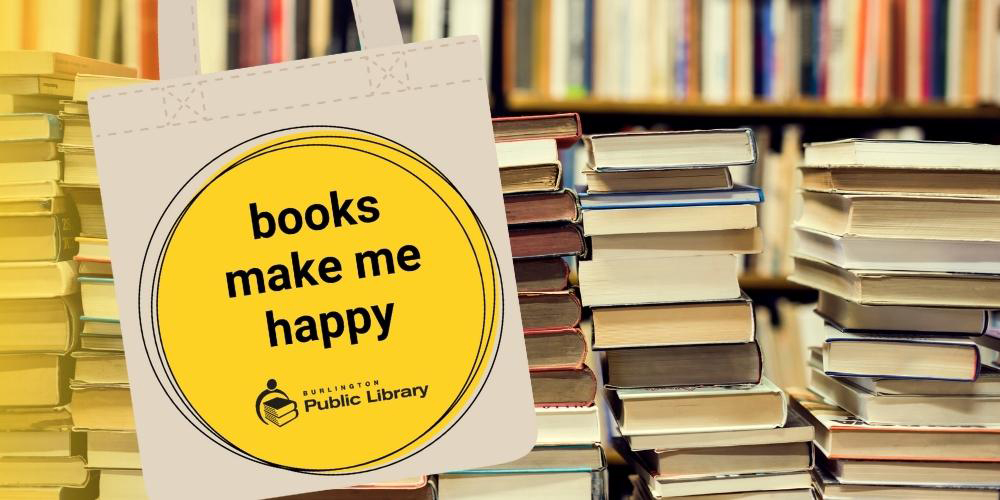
(312, 266)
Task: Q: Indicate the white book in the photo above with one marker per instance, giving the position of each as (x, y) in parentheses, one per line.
(288, 28)
(659, 280)
(568, 425)
(892, 254)
(533, 152)
(743, 56)
(887, 153)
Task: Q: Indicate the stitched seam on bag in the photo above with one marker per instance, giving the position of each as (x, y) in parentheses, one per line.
(169, 120)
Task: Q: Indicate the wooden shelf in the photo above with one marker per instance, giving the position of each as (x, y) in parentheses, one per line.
(754, 282)
(523, 102)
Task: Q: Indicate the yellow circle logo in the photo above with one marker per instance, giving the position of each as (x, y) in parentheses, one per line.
(325, 302)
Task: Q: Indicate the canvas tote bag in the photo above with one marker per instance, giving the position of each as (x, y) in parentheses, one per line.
(312, 266)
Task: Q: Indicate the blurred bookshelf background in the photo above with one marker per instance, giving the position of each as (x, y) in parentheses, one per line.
(795, 71)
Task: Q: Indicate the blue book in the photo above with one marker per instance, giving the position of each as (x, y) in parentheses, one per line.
(739, 195)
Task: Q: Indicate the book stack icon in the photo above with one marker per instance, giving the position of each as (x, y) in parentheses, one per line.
(279, 411)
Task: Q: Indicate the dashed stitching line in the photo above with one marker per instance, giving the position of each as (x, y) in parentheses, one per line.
(332, 60)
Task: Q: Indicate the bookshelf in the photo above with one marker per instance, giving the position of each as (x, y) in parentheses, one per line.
(522, 102)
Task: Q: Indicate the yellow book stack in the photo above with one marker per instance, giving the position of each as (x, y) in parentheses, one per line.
(100, 398)
(43, 450)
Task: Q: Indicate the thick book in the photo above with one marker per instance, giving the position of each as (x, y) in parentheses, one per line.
(28, 104)
(546, 241)
(694, 463)
(90, 207)
(549, 310)
(554, 486)
(899, 288)
(533, 208)
(85, 84)
(663, 325)
(905, 409)
(28, 280)
(625, 282)
(42, 443)
(901, 216)
(644, 181)
(564, 387)
(830, 487)
(98, 297)
(988, 384)
(102, 407)
(690, 365)
(867, 354)
(40, 325)
(40, 62)
(662, 487)
(98, 368)
(555, 349)
(795, 430)
(46, 86)
(531, 178)
(35, 419)
(546, 274)
(33, 379)
(30, 171)
(37, 237)
(24, 151)
(638, 245)
(550, 459)
(874, 253)
(112, 450)
(43, 471)
(914, 181)
(699, 409)
(661, 150)
(30, 127)
(851, 316)
(738, 195)
(911, 473)
(563, 127)
(902, 154)
(527, 153)
(673, 220)
(568, 425)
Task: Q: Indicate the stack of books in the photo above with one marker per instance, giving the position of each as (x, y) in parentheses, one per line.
(901, 239)
(681, 363)
(41, 454)
(100, 397)
(543, 221)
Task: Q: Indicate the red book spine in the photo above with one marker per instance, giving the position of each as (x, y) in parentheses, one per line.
(926, 55)
(276, 31)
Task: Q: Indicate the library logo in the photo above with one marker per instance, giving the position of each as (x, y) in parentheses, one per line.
(274, 407)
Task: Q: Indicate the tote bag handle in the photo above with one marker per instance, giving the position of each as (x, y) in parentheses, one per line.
(177, 24)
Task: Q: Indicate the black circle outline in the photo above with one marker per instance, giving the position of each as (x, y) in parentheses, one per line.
(480, 355)
(499, 297)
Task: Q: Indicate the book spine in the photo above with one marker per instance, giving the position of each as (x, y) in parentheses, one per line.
(302, 11)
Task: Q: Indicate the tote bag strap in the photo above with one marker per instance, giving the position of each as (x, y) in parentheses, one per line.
(177, 24)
